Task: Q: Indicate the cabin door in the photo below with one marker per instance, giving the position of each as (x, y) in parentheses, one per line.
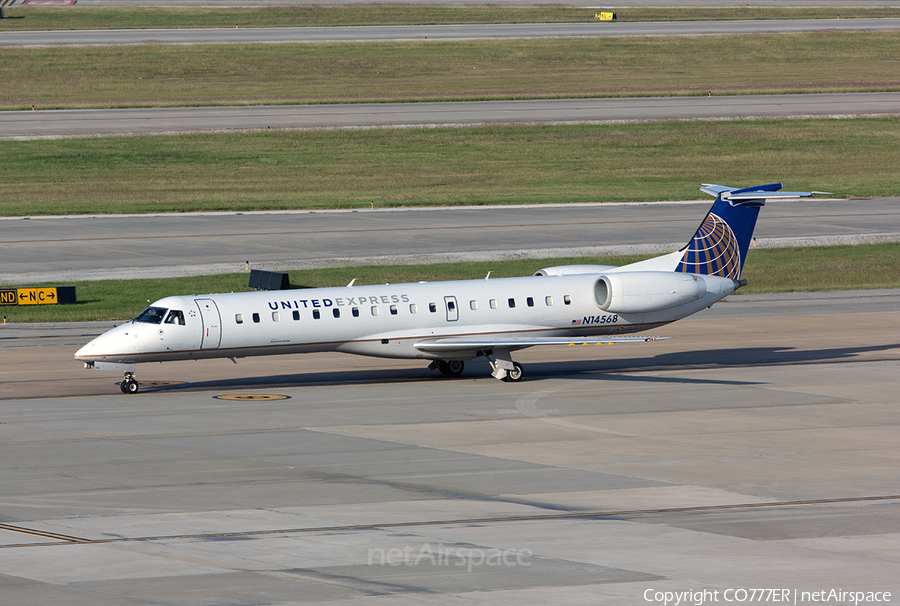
(212, 323)
(452, 309)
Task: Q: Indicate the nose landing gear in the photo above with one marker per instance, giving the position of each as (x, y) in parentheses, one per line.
(129, 384)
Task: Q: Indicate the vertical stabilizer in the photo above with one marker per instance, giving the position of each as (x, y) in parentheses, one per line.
(720, 245)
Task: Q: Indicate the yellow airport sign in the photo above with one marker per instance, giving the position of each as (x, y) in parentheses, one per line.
(37, 296)
(605, 16)
(52, 295)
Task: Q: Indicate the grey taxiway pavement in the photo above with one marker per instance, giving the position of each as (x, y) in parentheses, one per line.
(437, 32)
(755, 450)
(47, 249)
(23, 125)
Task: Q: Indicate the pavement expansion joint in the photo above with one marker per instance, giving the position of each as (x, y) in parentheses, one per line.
(69, 540)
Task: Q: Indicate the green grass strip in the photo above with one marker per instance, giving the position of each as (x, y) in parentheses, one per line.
(767, 270)
(447, 166)
(295, 73)
(58, 18)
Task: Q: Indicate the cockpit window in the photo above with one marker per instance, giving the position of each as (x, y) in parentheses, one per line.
(176, 316)
(152, 315)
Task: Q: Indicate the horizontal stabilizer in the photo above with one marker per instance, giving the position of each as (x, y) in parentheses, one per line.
(759, 192)
(714, 190)
(756, 195)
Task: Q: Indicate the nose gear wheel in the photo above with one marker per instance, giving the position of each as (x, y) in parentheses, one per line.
(129, 384)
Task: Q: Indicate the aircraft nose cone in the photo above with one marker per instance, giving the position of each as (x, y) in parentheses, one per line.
(106, 344)
(86, 349)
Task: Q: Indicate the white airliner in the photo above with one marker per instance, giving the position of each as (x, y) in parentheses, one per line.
(450, 323)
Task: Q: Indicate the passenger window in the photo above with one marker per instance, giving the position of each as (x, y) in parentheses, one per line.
(413, 308)
(239, 318)
(355, 312)
(493, 303)
(175, 317)
(316, 314)
(451, 305)
(276, 316)
(512, 303)
(548, 301)
(296, 314)
(336, 312)
(567, 300)
(473, 305)
(529, 302)
(256, 318)
(393, 310)
(375, 310)
(432, 307)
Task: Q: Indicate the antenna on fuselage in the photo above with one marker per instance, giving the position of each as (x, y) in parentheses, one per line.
(487, 276)
(351, 283)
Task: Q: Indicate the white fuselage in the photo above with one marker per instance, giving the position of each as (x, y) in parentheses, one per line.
(389, 320)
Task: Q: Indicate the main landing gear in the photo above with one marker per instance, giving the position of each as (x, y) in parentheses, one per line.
(515, 375)
(450, 368)
(507, 375)
(501, 363)
(504, 367)
(129, 384)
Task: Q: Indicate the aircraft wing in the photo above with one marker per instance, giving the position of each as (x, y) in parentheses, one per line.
(474, 344)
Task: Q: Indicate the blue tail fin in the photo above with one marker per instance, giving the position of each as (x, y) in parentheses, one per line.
(720, 245)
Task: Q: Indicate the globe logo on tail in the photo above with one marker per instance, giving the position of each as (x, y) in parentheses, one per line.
(714, 251)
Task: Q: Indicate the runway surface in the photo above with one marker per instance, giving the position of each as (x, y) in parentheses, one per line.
(256, 35)
(24, 125)
(52, 249)
(757, 449)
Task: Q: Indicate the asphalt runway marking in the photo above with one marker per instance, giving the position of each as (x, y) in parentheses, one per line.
(70, 540)
(41, 533)
(393, 229)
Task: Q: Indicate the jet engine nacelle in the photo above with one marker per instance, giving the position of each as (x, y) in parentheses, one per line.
(646, 291)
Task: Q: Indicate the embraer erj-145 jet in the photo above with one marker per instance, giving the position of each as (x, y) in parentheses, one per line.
(450, 323)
